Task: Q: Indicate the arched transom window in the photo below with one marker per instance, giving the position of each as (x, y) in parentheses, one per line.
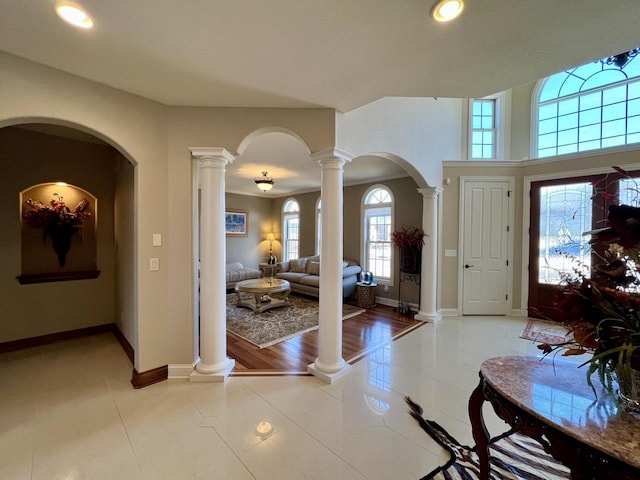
(590, 107)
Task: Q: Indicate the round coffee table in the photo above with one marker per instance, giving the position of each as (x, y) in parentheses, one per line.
(257, 294)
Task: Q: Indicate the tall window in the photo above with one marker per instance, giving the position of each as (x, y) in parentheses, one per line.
(562, 211)
(565, 214)
(483, 128)
(590, 107)
(291, 230)
(318, 226)
(377, 227)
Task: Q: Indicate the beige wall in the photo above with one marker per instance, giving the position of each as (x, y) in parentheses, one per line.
(252, 249)
(450, 198)
(521, 121)
(137, 128)
(232, 129)
(408, 211)
(569, 167)
(30, 158)
(124, 231)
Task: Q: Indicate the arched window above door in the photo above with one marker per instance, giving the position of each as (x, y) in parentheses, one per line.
(590, 107)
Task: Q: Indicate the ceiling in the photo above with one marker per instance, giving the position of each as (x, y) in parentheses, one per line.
(338, 54)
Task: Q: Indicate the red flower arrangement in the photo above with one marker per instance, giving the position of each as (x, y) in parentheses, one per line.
(58, 221)
(55, 214)
(409, 237)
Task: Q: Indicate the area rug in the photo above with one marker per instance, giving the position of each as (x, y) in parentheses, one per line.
(278, 324)
(511, 456)
(544, 331)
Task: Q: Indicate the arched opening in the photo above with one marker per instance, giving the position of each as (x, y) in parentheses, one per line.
(47, 151)
(277, 151)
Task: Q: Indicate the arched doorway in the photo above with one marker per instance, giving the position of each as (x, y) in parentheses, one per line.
(33, 153)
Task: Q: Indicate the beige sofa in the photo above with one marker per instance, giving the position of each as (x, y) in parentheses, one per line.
(304, 275)
(236, 272)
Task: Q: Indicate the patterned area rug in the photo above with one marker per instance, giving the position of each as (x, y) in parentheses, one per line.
(277, 324)
(511, 456)
(544, 331)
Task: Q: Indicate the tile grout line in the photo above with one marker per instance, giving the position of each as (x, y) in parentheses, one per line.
(126, 431)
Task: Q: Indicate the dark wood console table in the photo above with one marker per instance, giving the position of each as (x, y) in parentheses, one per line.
(551, 402)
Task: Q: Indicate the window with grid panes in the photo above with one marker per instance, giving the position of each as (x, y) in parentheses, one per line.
(590, 107)
(291, 230)
(483, 129)
(378, 225)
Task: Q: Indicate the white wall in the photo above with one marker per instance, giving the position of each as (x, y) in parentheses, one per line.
(422, 131)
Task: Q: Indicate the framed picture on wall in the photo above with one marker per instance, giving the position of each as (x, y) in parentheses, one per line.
(236, 222)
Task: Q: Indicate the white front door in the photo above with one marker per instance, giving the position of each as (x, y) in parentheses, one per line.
(485, 247)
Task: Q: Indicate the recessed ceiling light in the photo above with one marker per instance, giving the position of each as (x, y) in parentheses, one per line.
(74, 15)
(446, 10)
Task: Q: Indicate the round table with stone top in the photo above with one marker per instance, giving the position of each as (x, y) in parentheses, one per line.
(258, 294)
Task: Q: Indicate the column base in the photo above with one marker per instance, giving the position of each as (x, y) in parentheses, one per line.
(329, 377)
(428, 317)
(216, 376)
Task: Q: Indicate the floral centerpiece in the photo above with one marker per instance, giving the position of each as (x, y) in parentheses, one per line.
(603, 307)
(58, 221)
(410, 240)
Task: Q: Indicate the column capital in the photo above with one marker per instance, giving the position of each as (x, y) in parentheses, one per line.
(208, 154)
(331, 156)
(430, 192)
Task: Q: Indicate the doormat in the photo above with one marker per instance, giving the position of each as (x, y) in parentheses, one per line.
(545, 331)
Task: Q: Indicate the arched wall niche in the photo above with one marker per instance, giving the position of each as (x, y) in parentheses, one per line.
(58, 233)
(38, 152)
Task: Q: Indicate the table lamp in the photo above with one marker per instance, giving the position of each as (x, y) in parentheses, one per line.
(272, 259)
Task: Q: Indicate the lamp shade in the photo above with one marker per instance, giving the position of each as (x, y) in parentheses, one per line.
(264, 182)
(270, 237)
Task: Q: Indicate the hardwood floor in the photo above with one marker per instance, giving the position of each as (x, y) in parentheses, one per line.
(360, 335)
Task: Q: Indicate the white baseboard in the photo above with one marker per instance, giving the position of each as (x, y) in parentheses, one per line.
(449, 312)
(392, 302)
(517, 312)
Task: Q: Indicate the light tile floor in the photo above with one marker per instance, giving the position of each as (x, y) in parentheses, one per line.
(68, 412)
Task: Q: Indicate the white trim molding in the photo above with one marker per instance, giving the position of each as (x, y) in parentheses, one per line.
(181, 371)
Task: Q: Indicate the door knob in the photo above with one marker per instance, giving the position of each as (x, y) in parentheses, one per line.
(468, 266)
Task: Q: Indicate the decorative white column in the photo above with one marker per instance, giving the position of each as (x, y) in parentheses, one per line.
(330, 366)
(429, 269)
(214, 366)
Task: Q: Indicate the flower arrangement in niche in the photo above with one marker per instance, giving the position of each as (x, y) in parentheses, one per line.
(602, 307)
(58, 221)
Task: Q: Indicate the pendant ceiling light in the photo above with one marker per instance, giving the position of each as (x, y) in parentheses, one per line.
(264, 182)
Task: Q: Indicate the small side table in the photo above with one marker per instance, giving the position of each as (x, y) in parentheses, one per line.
(268, 270)
(366, 294)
